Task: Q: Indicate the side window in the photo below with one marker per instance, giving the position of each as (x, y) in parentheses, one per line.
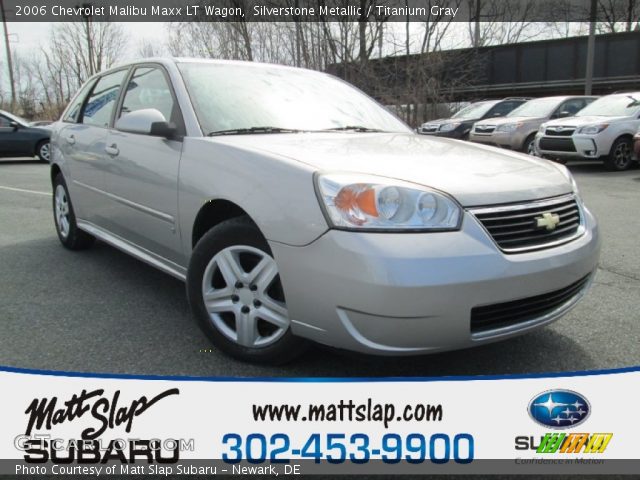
(572, 106)
(97, 111)
(503, 108)
(73, 112)
(148, 88)
(4, 121)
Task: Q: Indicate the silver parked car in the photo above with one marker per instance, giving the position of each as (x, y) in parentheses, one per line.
(517, 131)
(295, 207)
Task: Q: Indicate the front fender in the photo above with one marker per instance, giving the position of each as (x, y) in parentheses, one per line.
(277, 192)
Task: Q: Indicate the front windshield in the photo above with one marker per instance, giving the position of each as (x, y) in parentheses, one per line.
(475, 110)
(541, 107)
(237, 96)
(614, 106)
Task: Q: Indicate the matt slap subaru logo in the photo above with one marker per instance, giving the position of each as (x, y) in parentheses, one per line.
(559, 409)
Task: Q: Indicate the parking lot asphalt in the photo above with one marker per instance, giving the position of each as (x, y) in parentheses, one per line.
(102, 311)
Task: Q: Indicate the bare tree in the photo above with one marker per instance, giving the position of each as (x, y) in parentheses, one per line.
(618, 16)
(502, 21)
(51, 76)
(148, 48)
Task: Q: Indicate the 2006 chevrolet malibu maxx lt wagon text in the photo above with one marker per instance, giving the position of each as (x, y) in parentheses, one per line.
(297, 208)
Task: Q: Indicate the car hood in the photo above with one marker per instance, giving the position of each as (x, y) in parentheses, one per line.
(580, 121)
(473, 174)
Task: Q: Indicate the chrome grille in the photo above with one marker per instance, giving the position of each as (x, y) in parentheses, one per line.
(560, 132)
(429, 129)
(518, 228)
(484, 129)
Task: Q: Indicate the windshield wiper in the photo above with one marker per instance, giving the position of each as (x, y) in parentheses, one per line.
(246, 131)
(353, 128)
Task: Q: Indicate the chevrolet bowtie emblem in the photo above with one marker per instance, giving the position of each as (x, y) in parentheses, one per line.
(548, 220)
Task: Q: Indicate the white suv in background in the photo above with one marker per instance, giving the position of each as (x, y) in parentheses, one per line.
(601, 131)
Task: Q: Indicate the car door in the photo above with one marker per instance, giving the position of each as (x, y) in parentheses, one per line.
(82, 141)
(7, 136)
(142, 170)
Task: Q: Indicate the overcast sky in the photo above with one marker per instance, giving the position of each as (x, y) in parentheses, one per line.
(26, 36)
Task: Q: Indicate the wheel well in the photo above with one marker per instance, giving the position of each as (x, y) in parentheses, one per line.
(211, 214)
(527, 138)
(55, 170)
(627, 136)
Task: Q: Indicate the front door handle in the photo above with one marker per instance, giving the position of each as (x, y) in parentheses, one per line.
(112, 149)
(71, 139)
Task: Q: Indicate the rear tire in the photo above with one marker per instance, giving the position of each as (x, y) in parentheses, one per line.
(244, 313)
(621, 155)
(68, 232)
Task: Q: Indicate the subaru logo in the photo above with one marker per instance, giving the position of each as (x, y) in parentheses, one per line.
(559, 129)
(559, 409)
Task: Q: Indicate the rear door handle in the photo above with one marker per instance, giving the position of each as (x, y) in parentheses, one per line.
(112, 149)
(71, 139)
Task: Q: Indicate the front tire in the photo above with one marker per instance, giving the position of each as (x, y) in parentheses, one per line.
(236, 295)
(69, 234)
(529, 145)
(620, 156)
(43, 151)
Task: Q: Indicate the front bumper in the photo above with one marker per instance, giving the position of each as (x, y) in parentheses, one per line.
(412, 293)
(455, 134)
(580, 146)
(511, 141)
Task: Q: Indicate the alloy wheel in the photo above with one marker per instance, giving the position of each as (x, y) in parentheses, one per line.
(622, 155)
(531, 148)
(62, 211)
(243, 296)
(45, 151)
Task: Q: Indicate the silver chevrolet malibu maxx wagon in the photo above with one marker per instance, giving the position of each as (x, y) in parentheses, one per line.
(297, 208)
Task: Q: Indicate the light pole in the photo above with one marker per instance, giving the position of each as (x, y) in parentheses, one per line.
(87, 17)
(591, 43)
(9, 61)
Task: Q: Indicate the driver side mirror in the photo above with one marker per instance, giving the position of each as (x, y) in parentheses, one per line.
(14, 125)
(146, 122)
(564, 114)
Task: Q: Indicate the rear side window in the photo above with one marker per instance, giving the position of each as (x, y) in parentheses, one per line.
(503, 108)
(99, 106)
(73, 112)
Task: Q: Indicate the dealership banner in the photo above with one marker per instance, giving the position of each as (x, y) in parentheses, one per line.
(64, 423)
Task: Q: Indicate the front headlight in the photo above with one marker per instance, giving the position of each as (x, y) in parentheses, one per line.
(508, 127)
(593, 129)
(542, 128)
(447, 127)
(367, 202)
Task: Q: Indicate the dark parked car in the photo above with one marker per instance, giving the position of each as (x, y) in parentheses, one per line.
(18, 138)
(459, 125)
